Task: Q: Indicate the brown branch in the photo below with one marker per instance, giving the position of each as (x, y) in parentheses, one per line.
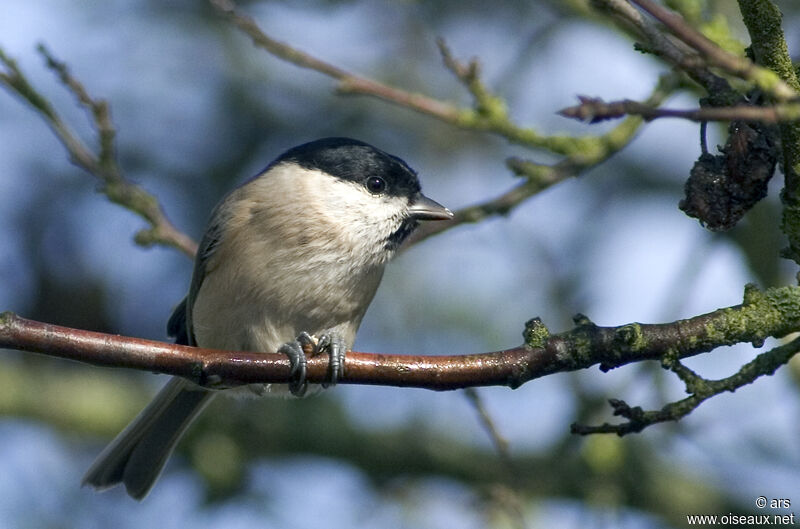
(220, 369)
(488, 114)
(775, 312)
(594, 110)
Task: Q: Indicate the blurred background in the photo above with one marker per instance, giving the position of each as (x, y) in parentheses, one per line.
(198, 109)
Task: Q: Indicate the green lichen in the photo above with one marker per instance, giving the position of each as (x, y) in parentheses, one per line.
(718, 30)
(763, 20)
(631, 337)
(466, 118)
(790, 225)
(670, 358)
(581, 349)
(535, 333)
(537, 174)
(752, 294)
(785, 302)
(774, 312)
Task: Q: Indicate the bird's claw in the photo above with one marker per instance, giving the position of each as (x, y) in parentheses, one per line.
(297, 360)
(330, 342)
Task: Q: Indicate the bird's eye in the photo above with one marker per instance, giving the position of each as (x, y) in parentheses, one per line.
(376, 185)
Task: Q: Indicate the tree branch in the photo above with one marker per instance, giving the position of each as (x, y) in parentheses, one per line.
(539, 177)
(594, 110)
(774, 312)
(349, 83)
(102, 165)
(742, 67)
(655, 41)
(699, 388)
(489, 113)
(499, 442)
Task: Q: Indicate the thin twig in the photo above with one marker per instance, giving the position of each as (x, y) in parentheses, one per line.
(594, 110)
(499, 442)
(102, 165)
(349, 83)
(488, 115)
(506, 497)
(485, 103)
(539, 177)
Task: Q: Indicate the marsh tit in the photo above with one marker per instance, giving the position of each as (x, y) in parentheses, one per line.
(290, 258)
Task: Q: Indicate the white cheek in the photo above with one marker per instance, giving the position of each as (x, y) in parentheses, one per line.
(359, 216)
(339, 220)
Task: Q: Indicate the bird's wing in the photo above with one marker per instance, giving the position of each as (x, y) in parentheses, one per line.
(179, 325)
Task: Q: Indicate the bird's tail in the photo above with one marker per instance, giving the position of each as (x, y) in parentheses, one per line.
(138, 454)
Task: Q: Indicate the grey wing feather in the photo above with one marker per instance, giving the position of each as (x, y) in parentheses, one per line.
(179, 325)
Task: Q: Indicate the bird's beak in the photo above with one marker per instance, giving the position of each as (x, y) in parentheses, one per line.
(423, 208)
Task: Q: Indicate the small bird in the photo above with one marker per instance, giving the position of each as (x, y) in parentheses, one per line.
(292, 257)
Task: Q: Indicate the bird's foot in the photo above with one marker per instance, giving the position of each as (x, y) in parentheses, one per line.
(331, 342)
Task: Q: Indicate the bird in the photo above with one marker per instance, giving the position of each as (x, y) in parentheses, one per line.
(290, 258)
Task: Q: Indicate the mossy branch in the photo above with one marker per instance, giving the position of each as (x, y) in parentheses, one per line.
(775, 308)
(768, 45)
(539, 177)
(699, 389)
